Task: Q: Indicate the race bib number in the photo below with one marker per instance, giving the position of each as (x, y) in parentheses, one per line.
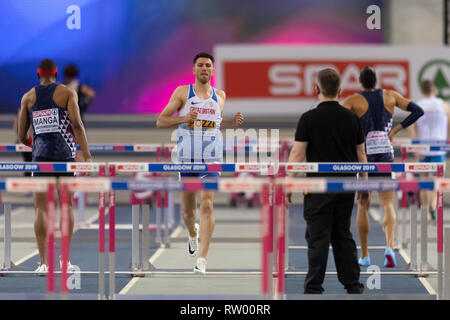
(201, 124)
(45, 121)
(378, 142)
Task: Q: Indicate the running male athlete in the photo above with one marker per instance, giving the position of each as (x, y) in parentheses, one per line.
(375, 107)
(53, 112)
(432, 126)
(199, 121)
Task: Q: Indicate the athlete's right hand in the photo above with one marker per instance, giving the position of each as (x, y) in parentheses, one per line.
(192, 115)
(363, 197)
(29, 142)
(288, 200)
(87, 159)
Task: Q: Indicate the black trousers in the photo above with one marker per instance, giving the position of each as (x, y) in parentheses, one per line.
(328, 219)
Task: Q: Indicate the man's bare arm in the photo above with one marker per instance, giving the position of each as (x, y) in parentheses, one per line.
(348, 103)
(167, 119)
(361, 156)
(402, 103)
(298, 154)
(77, 125)
(447, 112)
(23, 120)
(238, 118)
(362, 196)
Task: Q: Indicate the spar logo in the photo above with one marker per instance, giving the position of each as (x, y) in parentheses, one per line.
(131, 167)
(296, 79)
(22, 147)
(20, 185)
(417, 148)
(305, 186)
(437, 71)
(88, 185)
(422, 167)
(300, 167)
(143, 147)
(251, 167)
(444, 185)
(237, 186)
(83, 167)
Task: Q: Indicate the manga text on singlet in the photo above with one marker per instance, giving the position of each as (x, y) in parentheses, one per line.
(46, 121)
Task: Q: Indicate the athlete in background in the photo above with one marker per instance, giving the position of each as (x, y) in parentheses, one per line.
(375, 107)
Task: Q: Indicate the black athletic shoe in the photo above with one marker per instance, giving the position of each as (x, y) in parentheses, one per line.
(358, 289)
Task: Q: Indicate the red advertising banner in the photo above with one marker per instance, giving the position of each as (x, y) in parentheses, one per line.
(296, 78)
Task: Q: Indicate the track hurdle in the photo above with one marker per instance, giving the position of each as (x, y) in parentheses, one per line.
(80, 197)
(163, 204)
(230, 185)
(87, 167)
(28, 185)
(384, 167)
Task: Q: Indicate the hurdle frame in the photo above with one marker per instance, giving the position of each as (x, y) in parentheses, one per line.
(303, 180)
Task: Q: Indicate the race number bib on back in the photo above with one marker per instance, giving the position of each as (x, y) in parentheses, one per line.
(45, 121)
(378, 142)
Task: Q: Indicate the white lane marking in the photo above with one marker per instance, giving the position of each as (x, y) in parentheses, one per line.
(25, 258)
(121, 226)
(152, 260)
(14, 212)
(36, 252)
(422, 280)
(358, 247)
(129, 285)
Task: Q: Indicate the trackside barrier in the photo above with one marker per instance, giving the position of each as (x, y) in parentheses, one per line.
(45, 185)
(308, 185)
(294, 167)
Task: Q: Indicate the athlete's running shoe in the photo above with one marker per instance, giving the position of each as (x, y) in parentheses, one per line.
(389, 261)
(70, 267)
(200, 267)
(192, 246)
(364, 262)
(42, 270)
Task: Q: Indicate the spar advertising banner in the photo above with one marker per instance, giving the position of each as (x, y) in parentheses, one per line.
(264, 80)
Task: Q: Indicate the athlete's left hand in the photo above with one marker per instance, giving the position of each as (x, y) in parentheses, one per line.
(238, 119)
(394, 131)
(288, 200)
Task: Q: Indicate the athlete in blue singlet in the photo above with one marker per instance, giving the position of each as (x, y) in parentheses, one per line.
(52, 111)
(375, 108)
(199, 139)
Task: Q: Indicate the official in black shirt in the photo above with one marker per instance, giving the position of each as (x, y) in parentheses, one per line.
(329, 133)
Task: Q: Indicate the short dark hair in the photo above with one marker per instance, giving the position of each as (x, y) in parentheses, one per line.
(70, 71)
(368, 77)
(329, 82)
(427, 87)
(47, 65)
(203, 55)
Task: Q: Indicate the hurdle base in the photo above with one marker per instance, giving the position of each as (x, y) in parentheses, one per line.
(82, 225)
(425, 267)
(6, 268)
(422, 275)
(148, 267)
(290, 267)
(137, 275)
(411, 267)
